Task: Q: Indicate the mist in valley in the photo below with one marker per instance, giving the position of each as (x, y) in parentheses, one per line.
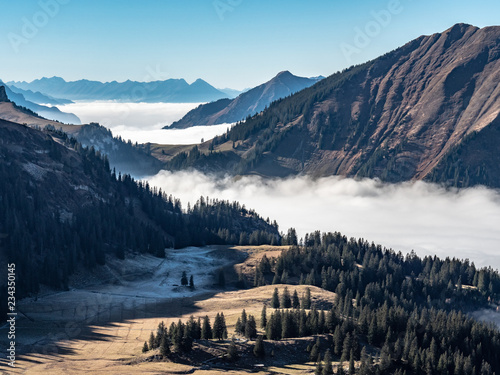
(143, 122)
(420, 216)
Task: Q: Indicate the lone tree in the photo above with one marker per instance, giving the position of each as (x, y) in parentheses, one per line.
(184, 279)
(191, 282)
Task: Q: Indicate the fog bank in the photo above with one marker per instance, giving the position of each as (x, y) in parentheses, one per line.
(419, 216)
(143, 122)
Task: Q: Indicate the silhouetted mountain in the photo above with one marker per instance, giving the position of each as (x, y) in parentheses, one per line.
(168, 91)
(52, 113)
(246, 104)
(428, 110)
(38, 97)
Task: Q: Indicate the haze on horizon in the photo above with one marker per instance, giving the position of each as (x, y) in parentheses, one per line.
(229, 43)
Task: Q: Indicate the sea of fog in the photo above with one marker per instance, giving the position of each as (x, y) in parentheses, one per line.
(419, 216)
(143, 122)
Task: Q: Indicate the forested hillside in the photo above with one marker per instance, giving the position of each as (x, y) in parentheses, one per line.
(62, 207)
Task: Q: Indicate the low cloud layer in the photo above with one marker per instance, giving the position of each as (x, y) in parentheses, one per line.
(419, 216)
(143, 122)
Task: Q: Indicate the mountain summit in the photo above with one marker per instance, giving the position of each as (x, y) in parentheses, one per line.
(428, 110)
(247, 103)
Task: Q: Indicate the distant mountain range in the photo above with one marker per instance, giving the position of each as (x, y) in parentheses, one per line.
(52, 113)
(246, 104)
(168, 91)
(428, 110)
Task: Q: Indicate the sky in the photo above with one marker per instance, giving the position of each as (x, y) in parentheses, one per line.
(229, 43)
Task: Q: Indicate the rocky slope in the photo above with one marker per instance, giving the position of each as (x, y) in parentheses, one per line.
(246, 104)
(396, 117)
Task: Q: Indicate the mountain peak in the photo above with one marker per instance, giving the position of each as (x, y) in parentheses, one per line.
(284, 74)
(3, 95)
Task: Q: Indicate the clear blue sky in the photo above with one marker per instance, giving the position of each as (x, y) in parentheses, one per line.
(229, 43)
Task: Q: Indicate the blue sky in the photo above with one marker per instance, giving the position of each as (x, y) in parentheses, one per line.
(229, 43)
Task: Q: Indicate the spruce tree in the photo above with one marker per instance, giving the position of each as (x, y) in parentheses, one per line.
(327, 368)
(152, 341)
(286, 301)
(206, 329)
(275, 299)
(263, 317)
(306, 299)
(295, 300)
(251, 328)
(191, 282)
(184, 279)
(145, 347)
(165, 346)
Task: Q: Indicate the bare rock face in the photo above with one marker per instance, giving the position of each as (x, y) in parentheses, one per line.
(3, 95)
(395, 117)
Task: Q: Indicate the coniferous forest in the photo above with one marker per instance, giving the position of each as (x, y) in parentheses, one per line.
(62, 207)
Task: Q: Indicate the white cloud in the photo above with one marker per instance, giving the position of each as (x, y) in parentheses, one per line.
(143, 122)
(417, 215)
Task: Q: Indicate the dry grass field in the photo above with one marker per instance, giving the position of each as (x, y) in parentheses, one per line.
(114, 346)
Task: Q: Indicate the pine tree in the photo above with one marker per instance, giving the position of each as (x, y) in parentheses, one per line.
(145, 347)
(295, 300)
(351, 363)
(327, 369)
(191, 282)
(206, 329)
(275, 299)
(258, 349)
(286, 301)
(306, 299)
(184, 279)
(319, 367)
(263, 317)
(314, 350)
(152, 341)
(251, 328)
(165, 346)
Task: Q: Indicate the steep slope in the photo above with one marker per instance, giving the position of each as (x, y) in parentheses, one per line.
(52, 113)
(246, 104)
(395, 117)
(62, 208)
(38, 97)
(168, 91)
(123, 156)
